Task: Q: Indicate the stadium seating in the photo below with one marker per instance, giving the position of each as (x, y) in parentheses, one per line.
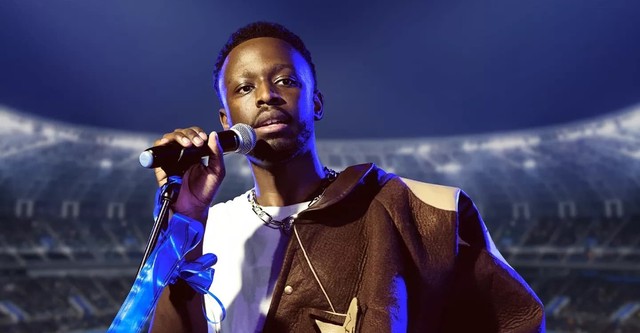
(560, 202)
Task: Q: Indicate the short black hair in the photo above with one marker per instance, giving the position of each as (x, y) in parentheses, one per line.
(257, 30)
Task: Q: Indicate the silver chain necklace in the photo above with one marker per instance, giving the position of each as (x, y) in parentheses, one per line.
(286, 223)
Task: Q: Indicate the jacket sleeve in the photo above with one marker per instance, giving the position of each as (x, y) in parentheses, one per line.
(487, 292)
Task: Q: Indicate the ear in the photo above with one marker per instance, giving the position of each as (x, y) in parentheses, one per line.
(222, 114)
(318, 105)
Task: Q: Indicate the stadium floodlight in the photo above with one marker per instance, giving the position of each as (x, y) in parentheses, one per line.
(10, 123)
(58, 133)
(406, 150)
(424, 149)
(470, 146)
(631, 153)
(608, 129)
(449, 168)
(502, 143)
(106, 163)
(507, 143)
(632, 120)
(529, 164)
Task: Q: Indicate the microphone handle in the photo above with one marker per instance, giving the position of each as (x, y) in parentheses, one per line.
(174, 153)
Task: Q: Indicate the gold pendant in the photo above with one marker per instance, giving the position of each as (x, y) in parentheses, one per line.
(349, 325)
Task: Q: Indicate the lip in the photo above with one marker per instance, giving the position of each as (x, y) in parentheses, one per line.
(271, 128)
(273, 119)
(270, 122)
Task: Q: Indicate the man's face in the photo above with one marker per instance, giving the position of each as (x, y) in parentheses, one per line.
(268, 85)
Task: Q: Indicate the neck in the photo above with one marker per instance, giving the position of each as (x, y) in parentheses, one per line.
(288, 183)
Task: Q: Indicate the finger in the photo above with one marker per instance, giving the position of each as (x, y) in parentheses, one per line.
(175, 136)
(161, 142)
(193, 136)
(184, 136)
(215, 159)
(161, 176)
(201, 133)
(214, 144)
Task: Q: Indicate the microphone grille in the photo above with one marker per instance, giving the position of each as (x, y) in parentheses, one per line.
(246, 138)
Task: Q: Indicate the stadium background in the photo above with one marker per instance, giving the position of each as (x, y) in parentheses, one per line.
(557, 181)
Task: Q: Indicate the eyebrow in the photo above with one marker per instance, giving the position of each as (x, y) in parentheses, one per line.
(276, 68)
(279, 67)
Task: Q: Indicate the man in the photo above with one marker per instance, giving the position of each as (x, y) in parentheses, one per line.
(310, 250)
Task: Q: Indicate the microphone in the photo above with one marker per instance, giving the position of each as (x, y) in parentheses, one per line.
(241, 138)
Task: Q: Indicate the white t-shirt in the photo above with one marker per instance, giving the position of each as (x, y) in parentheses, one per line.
(249, 260)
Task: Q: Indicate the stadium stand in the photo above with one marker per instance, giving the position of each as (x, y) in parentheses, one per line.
(561, 204)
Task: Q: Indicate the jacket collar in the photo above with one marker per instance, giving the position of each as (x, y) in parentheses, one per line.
(346, 182)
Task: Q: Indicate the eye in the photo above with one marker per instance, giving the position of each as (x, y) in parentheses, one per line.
(244, 89)
(287, 82)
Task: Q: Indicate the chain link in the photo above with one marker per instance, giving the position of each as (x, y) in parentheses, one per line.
(285, 225)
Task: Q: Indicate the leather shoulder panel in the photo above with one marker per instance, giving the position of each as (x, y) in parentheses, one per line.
(439, 196)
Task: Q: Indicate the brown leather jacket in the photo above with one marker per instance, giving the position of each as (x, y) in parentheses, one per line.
(414, 256)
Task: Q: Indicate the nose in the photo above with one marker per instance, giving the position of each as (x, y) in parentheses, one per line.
(267, 94)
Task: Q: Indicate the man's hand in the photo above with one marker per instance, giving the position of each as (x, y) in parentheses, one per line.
(200, 183)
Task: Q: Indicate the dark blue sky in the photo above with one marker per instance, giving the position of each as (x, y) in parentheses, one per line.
(387, 69)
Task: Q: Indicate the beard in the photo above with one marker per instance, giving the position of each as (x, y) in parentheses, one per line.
(276, 150)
